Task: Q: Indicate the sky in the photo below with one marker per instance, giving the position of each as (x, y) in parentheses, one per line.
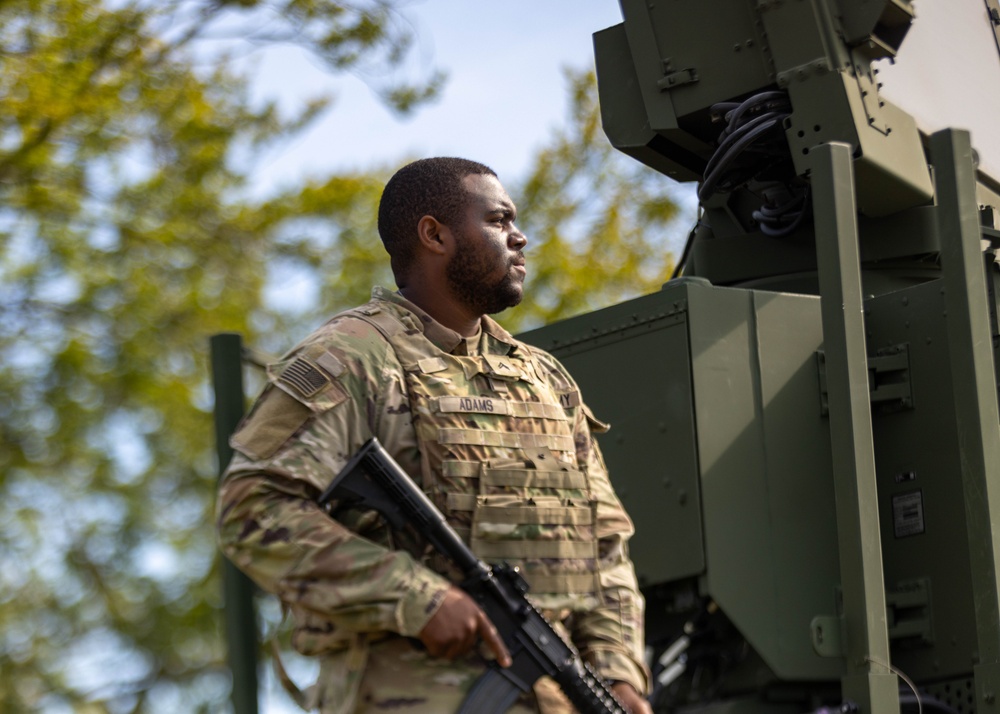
(505, 92)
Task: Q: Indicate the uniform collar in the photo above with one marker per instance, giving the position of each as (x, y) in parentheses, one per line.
(499, 341)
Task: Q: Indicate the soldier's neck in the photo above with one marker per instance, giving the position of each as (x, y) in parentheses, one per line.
(440, 305)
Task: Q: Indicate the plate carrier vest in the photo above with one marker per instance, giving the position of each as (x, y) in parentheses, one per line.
(499, 459)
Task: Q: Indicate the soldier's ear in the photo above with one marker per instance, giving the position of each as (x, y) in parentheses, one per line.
(433, 235)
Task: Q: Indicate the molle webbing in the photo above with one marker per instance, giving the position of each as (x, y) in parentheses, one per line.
(461, 502)
(540, 515)
(508, 439)
(524, 478)
(564, 583)
(531, 478)
(506, 549)
(468, 502)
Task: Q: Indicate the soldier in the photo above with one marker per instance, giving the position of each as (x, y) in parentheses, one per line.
(493, 430)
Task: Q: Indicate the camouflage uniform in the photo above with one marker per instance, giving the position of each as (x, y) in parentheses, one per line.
(495, 433)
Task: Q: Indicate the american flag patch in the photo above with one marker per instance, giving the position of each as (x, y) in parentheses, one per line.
(302, 376)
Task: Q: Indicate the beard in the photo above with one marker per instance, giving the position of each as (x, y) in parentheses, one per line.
(468, 277)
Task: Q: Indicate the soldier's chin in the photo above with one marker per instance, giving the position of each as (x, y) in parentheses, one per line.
(511, 297)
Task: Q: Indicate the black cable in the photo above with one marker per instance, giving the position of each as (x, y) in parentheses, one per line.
(741, 141)
(726, 144)
(926, 702)
(770, 108)
(685, 252)
(734, 115)
(780, 221)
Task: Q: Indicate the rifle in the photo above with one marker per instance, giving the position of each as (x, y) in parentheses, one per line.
(373, 478)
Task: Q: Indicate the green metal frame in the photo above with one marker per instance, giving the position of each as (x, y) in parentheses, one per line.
(240, 616)
(869, 681)
(974, 384)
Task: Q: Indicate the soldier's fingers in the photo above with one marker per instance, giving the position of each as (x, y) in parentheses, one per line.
(493, 640)
(461, 644)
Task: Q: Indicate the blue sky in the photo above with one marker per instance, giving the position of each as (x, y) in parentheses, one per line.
(504, 95)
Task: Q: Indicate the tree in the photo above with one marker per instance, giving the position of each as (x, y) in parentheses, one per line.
(600, 225)
(127, 238)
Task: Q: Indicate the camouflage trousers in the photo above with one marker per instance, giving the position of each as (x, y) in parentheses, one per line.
(396, 676)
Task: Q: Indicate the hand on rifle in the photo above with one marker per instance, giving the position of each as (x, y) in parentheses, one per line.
(456, 627)
(632, 700)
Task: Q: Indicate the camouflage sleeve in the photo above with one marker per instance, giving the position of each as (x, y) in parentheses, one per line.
(610, 637)
(339, 388)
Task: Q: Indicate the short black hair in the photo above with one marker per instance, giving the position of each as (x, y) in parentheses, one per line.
(428, 187)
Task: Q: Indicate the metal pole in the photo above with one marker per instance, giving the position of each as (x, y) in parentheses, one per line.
(970, 348)
(237, 589)
(868, 682)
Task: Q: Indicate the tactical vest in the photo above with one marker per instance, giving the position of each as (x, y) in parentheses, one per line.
(499, 459)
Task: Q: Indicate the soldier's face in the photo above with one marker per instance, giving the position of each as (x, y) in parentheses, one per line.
(487, 270)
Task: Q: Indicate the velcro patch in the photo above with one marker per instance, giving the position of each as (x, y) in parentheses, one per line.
(569, 400)
(492, 405)
(472, 405)
(430, 365)
(502, 367)
(330, 364)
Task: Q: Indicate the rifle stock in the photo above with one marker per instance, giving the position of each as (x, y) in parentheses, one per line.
(373, 478)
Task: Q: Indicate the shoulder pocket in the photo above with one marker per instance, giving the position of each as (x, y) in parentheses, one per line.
(271, 422)
(300, 388)
(596, 425)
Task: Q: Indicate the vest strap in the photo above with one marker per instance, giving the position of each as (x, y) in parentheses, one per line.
(531, 478)
(460, 469)
(534, 515)
(509, 439)
(461, 501)
(562, 583)
(377, 318)
(556, 549)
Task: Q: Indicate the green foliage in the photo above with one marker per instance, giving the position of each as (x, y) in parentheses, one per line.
(127, 239)
(599, 225)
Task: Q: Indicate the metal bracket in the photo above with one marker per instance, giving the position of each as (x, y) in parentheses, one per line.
(889, 386)
(818, 66)
(909, 611)
(869, 87)
(889, 378)
(827, 635)
(676, 79)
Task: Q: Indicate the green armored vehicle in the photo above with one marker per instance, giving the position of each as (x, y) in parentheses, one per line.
(805, 423)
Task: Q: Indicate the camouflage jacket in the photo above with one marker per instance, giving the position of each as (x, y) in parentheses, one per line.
(353, 575)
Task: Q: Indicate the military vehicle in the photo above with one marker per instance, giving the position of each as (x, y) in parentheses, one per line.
(804, 419)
